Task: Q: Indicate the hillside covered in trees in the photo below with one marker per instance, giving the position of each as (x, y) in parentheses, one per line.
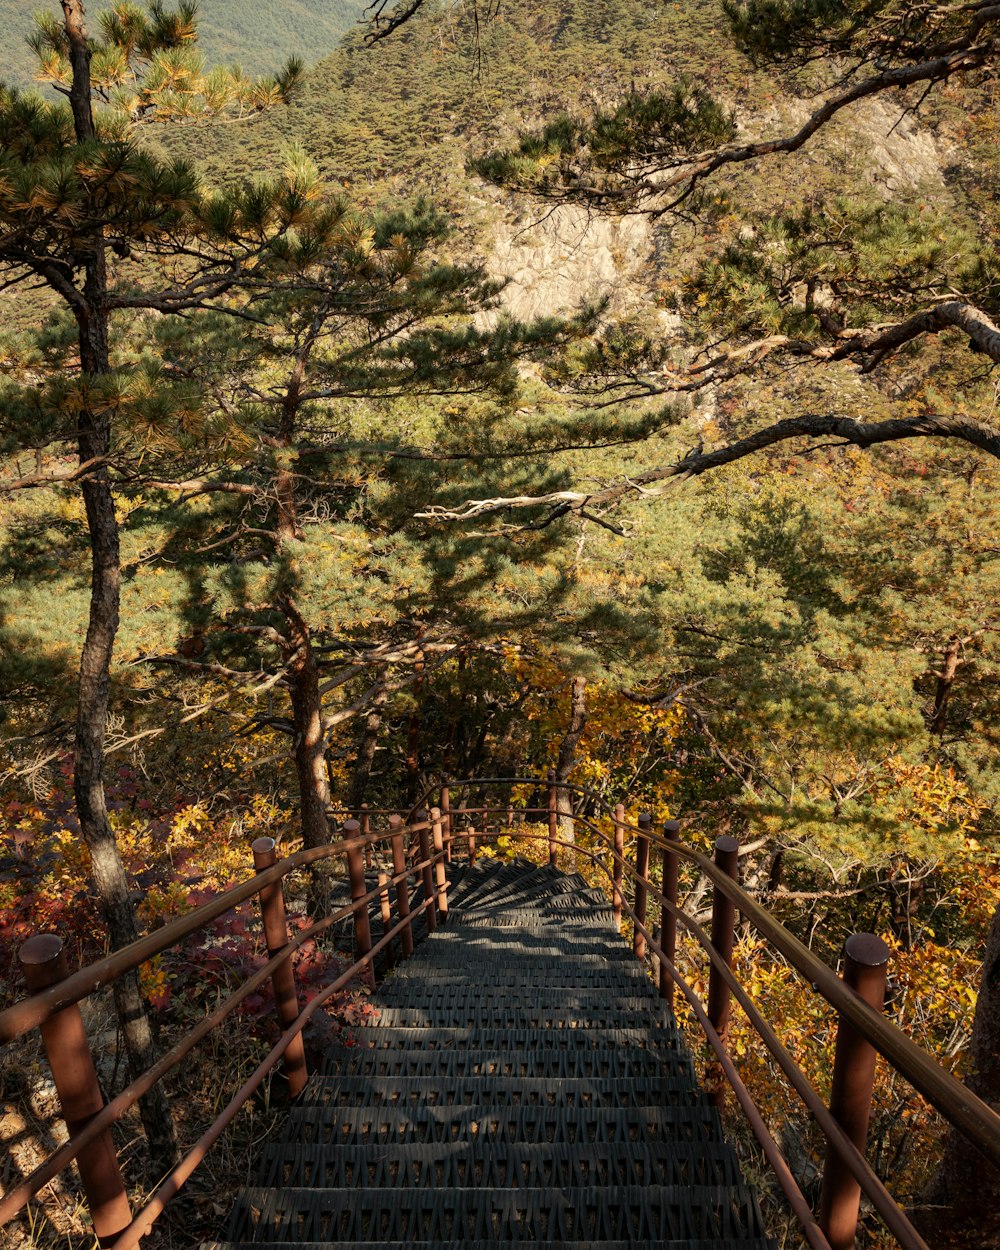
(593, 385)
(260, 38)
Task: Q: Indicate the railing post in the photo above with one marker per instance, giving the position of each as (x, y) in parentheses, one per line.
(356, 876)
(723, 936)
(43, 963)
(446, 816)
(402, 885)
(866, 959)
(553, 817)
(424, 842)
(668, 920)
(386, 910)
(641, 870)
(366, 829)
(286, 999)
(472, 845)
(439, 868)
(619, 865)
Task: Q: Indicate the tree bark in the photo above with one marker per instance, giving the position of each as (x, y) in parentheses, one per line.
(413, 735)
(567, 756)
(366, 752)
(945, 675)
(964, 1180)
(303, 673)
(94, 441)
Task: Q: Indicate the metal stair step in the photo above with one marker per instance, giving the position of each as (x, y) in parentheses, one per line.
(497, 1091)
(346, 1126)
(632, 1213)
(467, 997)
(698, 1243)
(447, 1065)
(625, 1014)
(498, 1165)
(542, 973)
(466, 1037)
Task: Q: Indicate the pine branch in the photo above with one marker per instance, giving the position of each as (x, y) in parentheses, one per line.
(56, 477)
(984, 334)
(849, 430)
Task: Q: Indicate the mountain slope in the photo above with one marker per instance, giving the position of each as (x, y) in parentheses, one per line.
(260, 37)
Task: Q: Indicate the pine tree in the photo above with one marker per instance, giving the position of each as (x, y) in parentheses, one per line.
(83, 212)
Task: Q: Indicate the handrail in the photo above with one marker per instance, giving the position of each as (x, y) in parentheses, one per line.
(970, 1115)
(15, 1199)
(974, 1118)
(19, 1019)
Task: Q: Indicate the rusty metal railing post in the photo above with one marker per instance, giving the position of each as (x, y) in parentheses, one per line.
(619, 864)
(440, 872)
(668, 920)
(385, 909)
(866, 959)
(356, 875)
(723, 937)
(553, 818)
(402, 885)
(43, 963)
(446, 815)
(471, 834)
(366, 829)
(424, 842)
(286, 999)
(641, 870)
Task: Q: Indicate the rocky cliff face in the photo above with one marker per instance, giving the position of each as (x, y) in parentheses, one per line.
(554, 259)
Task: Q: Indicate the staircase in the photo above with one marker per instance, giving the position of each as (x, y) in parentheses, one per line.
(522, 1084)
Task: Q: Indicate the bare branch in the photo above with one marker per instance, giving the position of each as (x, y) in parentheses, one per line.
(653, 482)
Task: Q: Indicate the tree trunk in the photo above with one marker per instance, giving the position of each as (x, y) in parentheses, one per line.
(94, 441)
(567, 757)
(965, 1182)
(366, 752)
(310, 754)
(946, 675)
(413, 736)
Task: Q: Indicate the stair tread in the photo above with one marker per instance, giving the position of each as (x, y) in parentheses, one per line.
(630, 1211)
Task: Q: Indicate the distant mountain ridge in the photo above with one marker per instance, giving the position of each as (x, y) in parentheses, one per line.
(260, 37)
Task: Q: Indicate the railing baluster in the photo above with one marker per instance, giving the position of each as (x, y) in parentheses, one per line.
(354, 850)
(723, 936)
(668, 921)
(641, 870)
(427, 872)
(439, 867)
(866, 959)
(402, 885)
(619, 864)
(365, 831)
(386, 910)
(286, 999)
(553, 818)
(43, 963)
(446, 816)
(472, 845)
